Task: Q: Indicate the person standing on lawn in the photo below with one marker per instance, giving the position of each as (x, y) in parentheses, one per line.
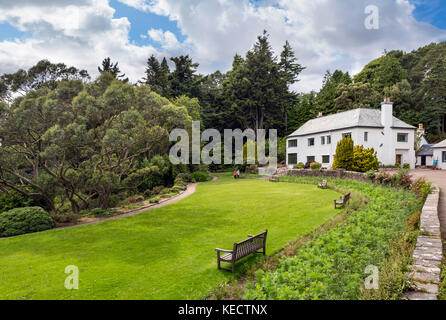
(238, 174)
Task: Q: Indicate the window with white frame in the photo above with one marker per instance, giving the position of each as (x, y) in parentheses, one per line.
(311, 142)
(292, 158)
(325, 159)
(292, 143)
(328, 139)
(347, 134)
(444, 156)
(403, 137)
(322, 140)
(366, 136)
(311, 159)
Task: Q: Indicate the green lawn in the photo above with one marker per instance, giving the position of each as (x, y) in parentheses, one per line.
(167, 253)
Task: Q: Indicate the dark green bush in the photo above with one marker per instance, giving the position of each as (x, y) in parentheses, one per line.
(300, 165)
(24, 220)
(200, 176)
(315, 166)
(12, 200)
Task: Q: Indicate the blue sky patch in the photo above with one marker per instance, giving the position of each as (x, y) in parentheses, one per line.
(141, 22)
(431, 11)
(8, 32)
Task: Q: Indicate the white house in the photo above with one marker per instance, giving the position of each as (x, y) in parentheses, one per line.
(316, 140)
(440, 154)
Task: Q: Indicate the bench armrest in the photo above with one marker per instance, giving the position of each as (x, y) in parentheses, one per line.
(221, 250)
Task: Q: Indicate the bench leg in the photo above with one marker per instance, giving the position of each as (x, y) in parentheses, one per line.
(218, 263)
(233, 267)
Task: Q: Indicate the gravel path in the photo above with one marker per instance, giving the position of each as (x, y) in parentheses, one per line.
(191, 188)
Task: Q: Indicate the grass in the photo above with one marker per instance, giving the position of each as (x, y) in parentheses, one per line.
(167, 253)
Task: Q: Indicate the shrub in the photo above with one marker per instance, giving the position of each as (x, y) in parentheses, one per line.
(364, 159)
(315, 166)
(308, 164)
(200, 176)
(406, 166)
(154, 200)
(183, 176)
(65, 217)
(299, 166)
(156, 190)
(252, 168)
(371, 174)
(24, 220)
(180, 182)
(383, 178)
(12, 200)
(344, 154)
(100, 213)
(132, 199)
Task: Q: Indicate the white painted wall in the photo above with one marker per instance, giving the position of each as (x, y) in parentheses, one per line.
(438, 155)
(383, 140)
(429, 161)
(387, 148)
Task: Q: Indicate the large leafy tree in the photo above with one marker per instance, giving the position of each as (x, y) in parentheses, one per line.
(326, 97)
(112, 68)
(256, 93)
(183, 80)
(157, 76)
(78, 143)
(43, 74)
(290, 71)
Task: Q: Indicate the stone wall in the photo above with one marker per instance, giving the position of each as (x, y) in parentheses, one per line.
(428, 253)
(336, 174)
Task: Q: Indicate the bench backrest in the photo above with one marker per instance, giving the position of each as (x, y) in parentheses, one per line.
(248, 246)
(347, 198)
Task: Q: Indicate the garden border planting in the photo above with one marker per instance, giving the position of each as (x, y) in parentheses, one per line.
(332, 266)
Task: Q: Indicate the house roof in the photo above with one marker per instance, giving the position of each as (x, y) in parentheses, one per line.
(370, 118)
(442, 144)
(427, 150)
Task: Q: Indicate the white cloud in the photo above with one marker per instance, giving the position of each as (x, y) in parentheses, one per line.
(80, 35)
(167, 39)
(325, 34)
(137, 4)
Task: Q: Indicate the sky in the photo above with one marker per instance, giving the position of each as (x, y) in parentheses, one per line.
(325, 34)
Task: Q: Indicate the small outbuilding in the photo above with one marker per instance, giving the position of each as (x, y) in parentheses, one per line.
(425, 157)
(440, 155)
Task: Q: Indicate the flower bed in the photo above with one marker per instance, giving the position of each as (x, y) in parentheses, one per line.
(332, 265)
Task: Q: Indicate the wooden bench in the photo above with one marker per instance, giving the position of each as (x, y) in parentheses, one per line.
(274, 179)
(342, 202)
(241, 250)
(323, 185)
